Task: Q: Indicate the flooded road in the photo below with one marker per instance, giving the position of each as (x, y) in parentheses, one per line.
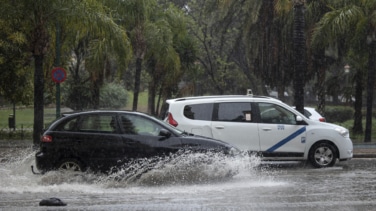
(184, 186)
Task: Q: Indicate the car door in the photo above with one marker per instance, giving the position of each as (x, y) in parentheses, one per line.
(280, 134)
(233, 122)
(97, 140)
(142, 138)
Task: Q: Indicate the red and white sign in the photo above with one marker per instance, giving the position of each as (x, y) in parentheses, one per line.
(58, 74)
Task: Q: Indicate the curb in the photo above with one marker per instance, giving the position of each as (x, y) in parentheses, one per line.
(364, 155)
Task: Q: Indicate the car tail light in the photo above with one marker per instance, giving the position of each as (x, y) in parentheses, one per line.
(46, 139)
(171, 120)
(322, 119)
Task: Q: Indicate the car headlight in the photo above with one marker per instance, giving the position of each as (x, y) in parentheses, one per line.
(343, 132)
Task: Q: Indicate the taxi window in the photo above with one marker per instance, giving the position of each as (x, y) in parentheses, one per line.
(234, 112)
(275, 114)
(199, 111)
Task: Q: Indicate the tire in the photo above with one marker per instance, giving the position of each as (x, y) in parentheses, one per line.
(71, 165)
(323, 155)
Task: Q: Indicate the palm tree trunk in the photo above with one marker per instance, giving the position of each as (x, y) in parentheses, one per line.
(137, 81)
(370, 86)
(151, 97)
(38, 99)
(358, 127)
(96, 93)
(299, 56)
(321, 89)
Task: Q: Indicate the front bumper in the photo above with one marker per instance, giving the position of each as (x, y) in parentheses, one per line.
(346, 150)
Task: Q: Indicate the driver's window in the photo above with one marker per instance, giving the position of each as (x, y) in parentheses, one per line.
(275, 114)
(137, 125)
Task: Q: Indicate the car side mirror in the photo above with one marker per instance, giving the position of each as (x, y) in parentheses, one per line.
(165, 133)
(299, 118)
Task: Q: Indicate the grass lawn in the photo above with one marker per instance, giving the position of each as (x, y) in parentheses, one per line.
(142, 102)
(24, 116)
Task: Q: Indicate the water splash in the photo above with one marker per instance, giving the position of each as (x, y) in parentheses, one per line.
(184, 168)
(187, 169)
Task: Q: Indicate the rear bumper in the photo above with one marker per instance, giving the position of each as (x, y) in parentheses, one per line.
(43, 161)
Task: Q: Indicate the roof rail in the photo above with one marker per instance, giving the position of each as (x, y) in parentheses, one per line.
(219, 96)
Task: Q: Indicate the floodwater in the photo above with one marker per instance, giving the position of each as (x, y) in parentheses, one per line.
(184, 183)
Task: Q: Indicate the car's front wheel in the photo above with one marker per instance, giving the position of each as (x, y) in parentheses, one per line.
(71, 165)
(323, 155)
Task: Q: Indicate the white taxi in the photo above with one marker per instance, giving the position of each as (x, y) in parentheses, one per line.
(261, 125)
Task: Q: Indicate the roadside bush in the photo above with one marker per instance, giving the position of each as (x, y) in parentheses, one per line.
(339, 113)
(113, 95)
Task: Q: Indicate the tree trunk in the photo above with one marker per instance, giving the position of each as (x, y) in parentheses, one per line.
(370, 86)
(299, 56)
(38, 99)
(151, 97)
(137, 81)
(321, 89)
(96, 93)
(358, 127)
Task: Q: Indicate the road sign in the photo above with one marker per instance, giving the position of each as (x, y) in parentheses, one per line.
(58, 74)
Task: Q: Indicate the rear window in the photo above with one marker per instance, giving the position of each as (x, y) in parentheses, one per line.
(199, 111)
(307, 113)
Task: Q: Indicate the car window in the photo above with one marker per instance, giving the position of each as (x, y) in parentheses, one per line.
(275, 114)
(138, 125)
(70, 125)
(307, 113)
(98, 123)
(234, 112)
(199, 111)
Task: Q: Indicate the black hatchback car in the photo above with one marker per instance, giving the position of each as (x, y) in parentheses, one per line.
(100, 140)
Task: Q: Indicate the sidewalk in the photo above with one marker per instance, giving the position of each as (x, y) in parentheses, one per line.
(363, 150)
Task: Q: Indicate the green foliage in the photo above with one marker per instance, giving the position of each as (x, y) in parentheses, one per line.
(357, 138)
(339, 113)
(113, 95)
(76, 96)
(15, 77)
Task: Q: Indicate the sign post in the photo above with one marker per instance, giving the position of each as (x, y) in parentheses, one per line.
(58, 75)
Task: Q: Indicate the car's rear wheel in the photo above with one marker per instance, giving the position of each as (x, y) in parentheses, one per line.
(323, 155)
(71, 165)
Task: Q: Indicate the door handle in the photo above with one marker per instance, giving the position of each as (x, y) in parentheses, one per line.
(219, 127)
(266, 129)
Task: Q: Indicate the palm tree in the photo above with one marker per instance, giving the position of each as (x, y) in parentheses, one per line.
(134, 15)
(340, 22)
(300, 65)
(39, 17)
